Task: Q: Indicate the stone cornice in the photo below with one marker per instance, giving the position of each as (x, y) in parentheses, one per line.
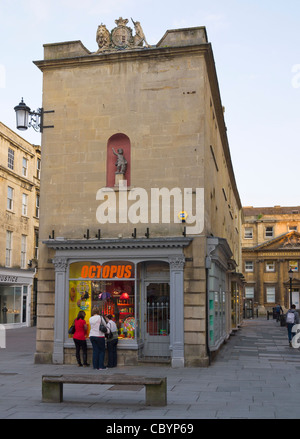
(120, 56)
(103, 244)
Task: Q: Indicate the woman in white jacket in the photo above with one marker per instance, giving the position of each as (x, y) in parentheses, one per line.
(97, 339)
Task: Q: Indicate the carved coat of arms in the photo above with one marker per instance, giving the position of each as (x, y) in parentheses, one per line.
(120, 37)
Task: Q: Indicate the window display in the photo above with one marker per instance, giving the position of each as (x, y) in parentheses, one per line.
(10, 304)
(109, 286)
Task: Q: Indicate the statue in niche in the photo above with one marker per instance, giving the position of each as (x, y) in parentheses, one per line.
(121, 162)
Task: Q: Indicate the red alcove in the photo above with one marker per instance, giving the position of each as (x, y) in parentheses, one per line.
(117, 141)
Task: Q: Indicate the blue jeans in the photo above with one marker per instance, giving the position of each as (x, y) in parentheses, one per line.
(290, 333)
(112, 353)
(98, 344)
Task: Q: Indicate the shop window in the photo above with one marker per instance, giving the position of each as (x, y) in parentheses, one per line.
(10, 304)
(109, 286)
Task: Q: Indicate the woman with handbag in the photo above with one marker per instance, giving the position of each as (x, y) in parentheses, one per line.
(79, 338)
(97, 338)
(112, 341)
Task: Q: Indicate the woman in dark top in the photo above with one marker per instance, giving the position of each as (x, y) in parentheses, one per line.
(79, 338)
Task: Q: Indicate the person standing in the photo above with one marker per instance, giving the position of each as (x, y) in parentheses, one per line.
(112, 342)
(292, 318)
(278, 311)
(79, 338)
(97, 339)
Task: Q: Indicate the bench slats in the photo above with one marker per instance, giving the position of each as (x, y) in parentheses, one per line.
(100, 379)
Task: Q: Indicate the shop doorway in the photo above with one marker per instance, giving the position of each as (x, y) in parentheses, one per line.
(157, 319)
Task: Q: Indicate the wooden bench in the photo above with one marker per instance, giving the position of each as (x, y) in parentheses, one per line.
(156, 388)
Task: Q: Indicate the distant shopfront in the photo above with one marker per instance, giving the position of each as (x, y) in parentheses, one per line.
(16, 288)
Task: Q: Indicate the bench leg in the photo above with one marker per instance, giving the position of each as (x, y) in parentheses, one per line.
(52, 392)
(156, 394)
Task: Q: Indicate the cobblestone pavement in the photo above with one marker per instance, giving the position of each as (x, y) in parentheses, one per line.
(254, 376)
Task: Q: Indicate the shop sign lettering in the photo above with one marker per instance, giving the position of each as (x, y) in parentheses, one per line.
(5, 278)
(106, 271)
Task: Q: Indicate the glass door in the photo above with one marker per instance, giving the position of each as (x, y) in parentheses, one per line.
(157, 319)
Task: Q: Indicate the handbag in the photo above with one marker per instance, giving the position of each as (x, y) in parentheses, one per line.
(109, 335)
(102, 327)
(72, 329)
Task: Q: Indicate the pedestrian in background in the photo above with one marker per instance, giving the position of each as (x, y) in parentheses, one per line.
(97, 339)
(292, 318)
(112, 342)
(278, 311)
(79, 338)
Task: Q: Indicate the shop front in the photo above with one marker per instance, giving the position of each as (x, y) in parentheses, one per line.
(140, 283)
(15, 297)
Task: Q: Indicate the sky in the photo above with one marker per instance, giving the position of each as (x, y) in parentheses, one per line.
(256, 46)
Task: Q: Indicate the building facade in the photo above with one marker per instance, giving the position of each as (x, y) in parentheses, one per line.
(271, 247)
(20, 188)
(140, 213)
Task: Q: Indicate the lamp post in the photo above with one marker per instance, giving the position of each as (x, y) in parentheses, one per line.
(36, 117)
(291, 285)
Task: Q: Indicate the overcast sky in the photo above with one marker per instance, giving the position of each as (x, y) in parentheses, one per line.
(256, 45)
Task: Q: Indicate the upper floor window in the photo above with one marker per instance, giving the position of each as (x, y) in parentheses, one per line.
(249, 266)
(293, 265)
(270, 266)
(248, 234)
(24, 204)
(23, 251)
(37, 206)
(38, 168)
(8, 248)
(10, 198)
(292, 228)
(24, 167)
(11, 158)
(269, 232)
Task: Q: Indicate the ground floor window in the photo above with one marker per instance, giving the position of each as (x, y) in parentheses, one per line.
(270, 294)
(11, 304)
(110, 286)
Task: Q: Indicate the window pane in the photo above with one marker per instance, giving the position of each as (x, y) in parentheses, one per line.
(270, 294)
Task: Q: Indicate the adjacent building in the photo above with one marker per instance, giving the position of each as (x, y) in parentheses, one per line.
(140, 212)
(20, 167)
(271, 248)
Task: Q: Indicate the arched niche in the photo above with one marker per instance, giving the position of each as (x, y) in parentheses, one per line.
(117, 141)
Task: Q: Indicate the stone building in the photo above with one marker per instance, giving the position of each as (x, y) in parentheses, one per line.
(271, 247)
(140, 213)
(19, 226)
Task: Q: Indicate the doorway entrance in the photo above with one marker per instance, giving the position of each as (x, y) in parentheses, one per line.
(157, 319)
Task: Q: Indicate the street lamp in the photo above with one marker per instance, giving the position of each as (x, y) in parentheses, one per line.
(291, 283)
(36, 117)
